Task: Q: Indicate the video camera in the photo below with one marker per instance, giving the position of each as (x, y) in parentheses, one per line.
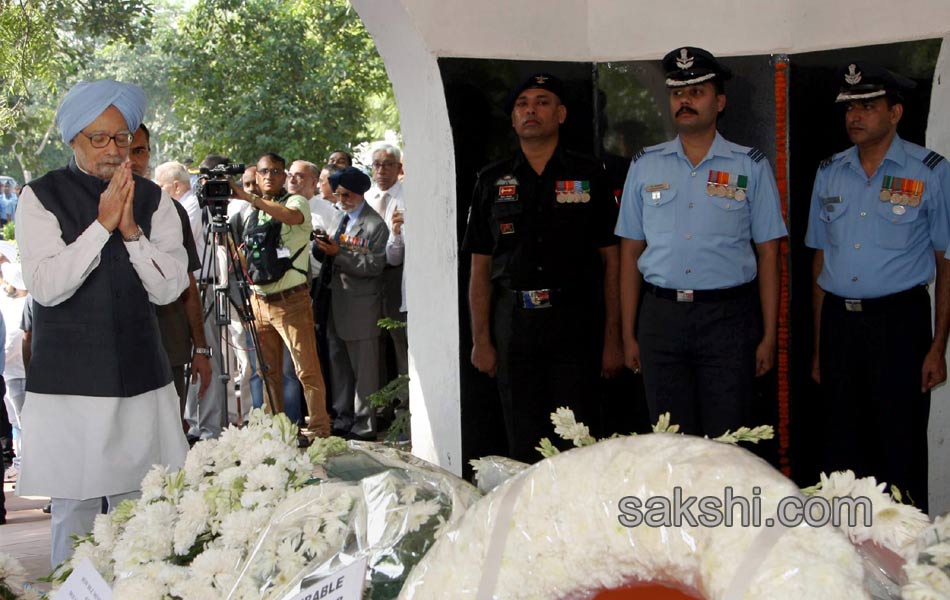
(214, 187)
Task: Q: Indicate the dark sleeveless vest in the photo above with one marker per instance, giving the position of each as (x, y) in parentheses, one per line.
(103, 340)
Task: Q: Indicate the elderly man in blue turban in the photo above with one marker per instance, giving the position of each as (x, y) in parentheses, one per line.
(99, 247)
(353, 262)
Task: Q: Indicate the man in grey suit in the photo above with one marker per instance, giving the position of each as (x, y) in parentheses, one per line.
(353, 262)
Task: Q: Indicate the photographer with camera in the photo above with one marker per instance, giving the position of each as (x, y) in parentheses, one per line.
(276, 237)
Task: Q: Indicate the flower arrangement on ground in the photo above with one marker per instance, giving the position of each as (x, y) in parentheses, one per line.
(554, 530)
(13, 580)
(251, 516)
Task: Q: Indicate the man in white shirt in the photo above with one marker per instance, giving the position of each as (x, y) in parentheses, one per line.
(386, 198)
(99, 247)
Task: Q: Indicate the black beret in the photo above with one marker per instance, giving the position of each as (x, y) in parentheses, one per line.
(689, 66)
(538, 81)
(352, 179)
(861, 81)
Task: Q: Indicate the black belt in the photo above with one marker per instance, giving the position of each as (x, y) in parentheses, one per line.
(740, 291)
(875, 304)
(282, 295)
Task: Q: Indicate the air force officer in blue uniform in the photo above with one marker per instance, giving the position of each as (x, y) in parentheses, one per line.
(707, 299)
(879, 227)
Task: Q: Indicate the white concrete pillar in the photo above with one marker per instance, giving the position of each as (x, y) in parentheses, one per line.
(938, 139)
(431, 244)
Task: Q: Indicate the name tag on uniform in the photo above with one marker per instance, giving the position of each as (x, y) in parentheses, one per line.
(657, 187)
(828, 203)
(507, 189)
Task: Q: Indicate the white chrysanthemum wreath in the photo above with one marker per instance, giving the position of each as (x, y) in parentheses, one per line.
(553, 531)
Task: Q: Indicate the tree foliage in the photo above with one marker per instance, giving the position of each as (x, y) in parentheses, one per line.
(300, 77)
(290, 76)
(45, 44)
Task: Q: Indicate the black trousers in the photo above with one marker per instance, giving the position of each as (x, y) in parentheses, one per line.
(875, 415)
(698, 361)
(547, 358)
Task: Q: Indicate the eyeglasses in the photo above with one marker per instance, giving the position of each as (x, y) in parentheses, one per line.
(274, 172)
(122, 139)
(389, 164)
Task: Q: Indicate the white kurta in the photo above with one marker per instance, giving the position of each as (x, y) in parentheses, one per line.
(83, 447)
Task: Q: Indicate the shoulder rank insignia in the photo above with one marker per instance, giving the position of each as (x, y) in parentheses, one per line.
(826, 163)
(638, 155)
(932, 160)
(756, 155)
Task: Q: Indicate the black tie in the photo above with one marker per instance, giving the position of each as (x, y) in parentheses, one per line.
(341, 228)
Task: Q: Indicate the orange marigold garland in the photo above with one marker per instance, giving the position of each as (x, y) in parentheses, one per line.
(781, 178)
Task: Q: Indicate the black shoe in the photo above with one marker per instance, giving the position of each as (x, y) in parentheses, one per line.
(339, 432)
(192, 440)
(303, 441)
(48, 508)
(359, 438)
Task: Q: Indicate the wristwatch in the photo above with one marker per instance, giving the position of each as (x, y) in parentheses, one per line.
(135, 236)
(203, 351)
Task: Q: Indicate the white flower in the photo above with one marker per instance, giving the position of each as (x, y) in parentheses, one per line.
(193, 516)
(12, 573)
(419, 513)
(103, 530)
(893, 525)
(838, 484)
(216, 566)
(137, 588)
(567, 427)
(147, 536)
(153, 483)
(242, 527)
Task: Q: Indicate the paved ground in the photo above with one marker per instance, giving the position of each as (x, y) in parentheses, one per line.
(26, 534)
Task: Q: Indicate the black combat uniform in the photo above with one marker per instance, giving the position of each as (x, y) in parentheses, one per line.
(543, 233)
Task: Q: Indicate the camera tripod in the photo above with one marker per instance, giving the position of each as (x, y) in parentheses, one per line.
(224, 285)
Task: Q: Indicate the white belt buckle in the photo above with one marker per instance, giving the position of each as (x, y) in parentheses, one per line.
(851, 305)
(684, 295)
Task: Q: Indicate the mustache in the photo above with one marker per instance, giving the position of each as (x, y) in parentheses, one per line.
(686, 109)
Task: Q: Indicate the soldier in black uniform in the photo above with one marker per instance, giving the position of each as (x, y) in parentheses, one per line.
(544, 281)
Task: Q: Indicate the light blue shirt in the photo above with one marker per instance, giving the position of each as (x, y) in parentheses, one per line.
(698, 241)
(8, 206)
(871, 247)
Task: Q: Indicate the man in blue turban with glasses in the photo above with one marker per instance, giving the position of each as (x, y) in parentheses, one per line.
(99, 247)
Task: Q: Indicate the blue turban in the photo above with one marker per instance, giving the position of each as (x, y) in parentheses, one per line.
(88, 99)
(352, 179)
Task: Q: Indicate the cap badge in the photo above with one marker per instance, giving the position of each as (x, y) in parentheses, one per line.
(853, 76)
(541, 79)
(684, 60)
